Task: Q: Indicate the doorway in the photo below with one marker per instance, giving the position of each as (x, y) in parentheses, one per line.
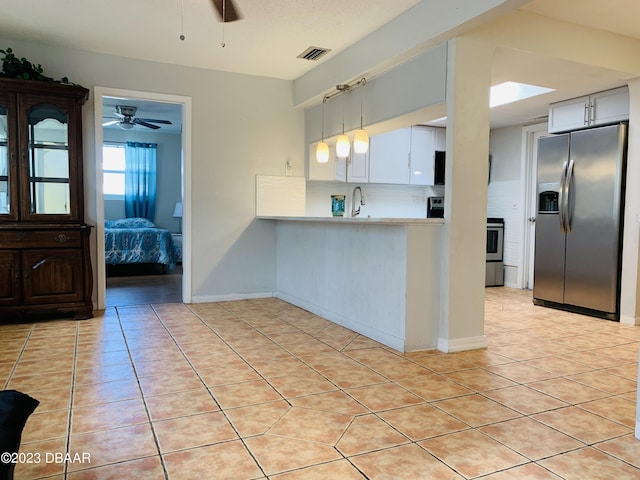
(162, 287)
(530, 136)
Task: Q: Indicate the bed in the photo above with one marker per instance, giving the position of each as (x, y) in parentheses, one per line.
(139, 241)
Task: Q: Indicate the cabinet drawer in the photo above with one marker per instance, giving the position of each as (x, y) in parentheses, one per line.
(39, 238)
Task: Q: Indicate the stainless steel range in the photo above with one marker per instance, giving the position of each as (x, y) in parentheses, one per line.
(494, 274)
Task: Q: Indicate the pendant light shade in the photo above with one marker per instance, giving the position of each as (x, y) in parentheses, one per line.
(343, 146)
(322, 152)
(361, 141)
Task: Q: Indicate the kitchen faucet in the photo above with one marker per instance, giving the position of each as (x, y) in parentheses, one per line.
(355, 212)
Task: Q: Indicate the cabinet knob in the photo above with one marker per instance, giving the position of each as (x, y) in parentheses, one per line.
(61, 238)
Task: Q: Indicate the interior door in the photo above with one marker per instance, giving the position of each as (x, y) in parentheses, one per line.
(531, 204)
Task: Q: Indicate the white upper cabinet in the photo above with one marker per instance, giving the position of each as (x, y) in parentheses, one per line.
(591, 110)
(423, 146)
(403, 157)
(389, 157)
(610, 106)
(354, 168)
(321, 171)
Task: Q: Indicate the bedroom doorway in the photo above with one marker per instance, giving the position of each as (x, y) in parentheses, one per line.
(160, 123)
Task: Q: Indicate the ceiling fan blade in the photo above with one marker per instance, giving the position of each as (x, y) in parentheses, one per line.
(112, 122)
(137, 121)
(230, 12)
(164, 122)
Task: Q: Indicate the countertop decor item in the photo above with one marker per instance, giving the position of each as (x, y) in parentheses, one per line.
(337, 205)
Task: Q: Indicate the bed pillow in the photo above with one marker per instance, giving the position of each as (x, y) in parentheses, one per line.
(129, 223)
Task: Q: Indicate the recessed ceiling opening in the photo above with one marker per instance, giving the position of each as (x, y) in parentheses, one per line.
(509, 92)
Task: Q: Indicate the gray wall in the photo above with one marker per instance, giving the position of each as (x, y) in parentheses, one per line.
(241, 126)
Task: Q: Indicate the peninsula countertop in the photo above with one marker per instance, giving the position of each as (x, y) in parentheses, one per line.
(362, 220)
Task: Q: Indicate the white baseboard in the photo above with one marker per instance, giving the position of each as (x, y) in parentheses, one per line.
(629, 320)
(462, 344)
(229, 297)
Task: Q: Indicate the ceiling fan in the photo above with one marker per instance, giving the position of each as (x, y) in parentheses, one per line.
(125, 118)
(227, 10)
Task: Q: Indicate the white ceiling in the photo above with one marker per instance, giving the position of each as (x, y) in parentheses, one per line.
(265, 42)
(272, 33)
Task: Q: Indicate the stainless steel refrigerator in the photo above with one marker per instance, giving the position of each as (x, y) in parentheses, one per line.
(579, 222)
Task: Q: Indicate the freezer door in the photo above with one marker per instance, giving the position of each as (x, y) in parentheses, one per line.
(548, 282)
(594, 211)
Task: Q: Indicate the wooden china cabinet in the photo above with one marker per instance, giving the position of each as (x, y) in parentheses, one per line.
(45, 267)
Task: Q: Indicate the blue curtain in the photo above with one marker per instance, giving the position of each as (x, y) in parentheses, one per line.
(140, 180)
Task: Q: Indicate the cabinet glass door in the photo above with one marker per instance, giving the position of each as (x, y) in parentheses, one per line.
(49, 191)
(5, 205)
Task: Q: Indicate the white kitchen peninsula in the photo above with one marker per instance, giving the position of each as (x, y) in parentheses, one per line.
(378, 277)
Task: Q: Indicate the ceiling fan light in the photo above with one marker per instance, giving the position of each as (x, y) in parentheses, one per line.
(322, 152)
(361, 141)
(125, 125)
(343, 146)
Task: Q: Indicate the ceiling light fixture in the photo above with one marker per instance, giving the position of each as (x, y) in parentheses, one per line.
(322, 150)
(343, 145)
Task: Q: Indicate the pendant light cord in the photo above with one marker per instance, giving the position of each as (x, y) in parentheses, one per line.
(324, 100)
(224, 11)
(182, 37)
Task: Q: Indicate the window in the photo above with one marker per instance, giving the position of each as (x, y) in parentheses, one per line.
(113, 165)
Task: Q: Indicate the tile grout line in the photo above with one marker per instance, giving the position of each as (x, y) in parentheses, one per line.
(144, 403)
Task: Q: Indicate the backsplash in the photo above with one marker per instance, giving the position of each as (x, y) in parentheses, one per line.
(381, 201)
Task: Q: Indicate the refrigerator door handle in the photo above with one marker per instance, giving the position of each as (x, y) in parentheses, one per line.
(561, 196)
(567, 211)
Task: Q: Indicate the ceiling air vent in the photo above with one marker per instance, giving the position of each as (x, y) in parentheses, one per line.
(314, 53)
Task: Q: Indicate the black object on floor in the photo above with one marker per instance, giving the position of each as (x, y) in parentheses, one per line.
(15, 408)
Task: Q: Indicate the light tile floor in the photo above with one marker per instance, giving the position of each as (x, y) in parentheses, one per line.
(260, 389)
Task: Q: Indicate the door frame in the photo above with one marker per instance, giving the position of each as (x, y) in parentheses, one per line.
(528, 170)
(98, 94)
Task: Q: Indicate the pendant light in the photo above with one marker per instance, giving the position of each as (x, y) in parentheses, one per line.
(361, 137)
(322, 150)
(343, 145)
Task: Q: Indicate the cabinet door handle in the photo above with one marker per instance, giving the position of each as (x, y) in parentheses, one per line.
(586, 113)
